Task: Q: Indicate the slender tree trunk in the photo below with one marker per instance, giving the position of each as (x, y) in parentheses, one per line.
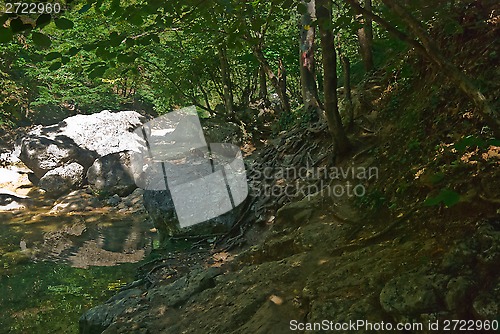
(430, 51)
(365, 38)
(324, 15)
(226, 81)
(307, 62)
(277, 85)
(205, 97)
(346, 70)
(263, 85)
(282, 81)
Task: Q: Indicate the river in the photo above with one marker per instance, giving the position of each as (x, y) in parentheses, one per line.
(56, 264)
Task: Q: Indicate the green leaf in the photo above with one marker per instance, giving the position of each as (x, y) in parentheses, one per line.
(301, 8)
(136, 19)
(94, 65)
(3, 19)
(126, 58)
(155, 38)
(449, 197)
(115, 39)
(89, 47)
(65, 60)
(17, 25)
(72, 51)
(63, 23)
(98, 72)
(84, 8)
(5, 35)
(465, 142)
(43, 20)
(129, 42)
(436, 178)
(446, 196)
(493, 142)
(55, 66)
(41, 40)
(52, 55)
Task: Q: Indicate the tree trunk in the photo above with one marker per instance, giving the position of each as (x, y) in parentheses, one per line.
(263, 85)
(226, 81)
(365, 38)
(430, 51)
(307, 63)
(346, 70)
(277, 85)
(324, 14)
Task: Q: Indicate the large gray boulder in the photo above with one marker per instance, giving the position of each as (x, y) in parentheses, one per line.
(80, 139)
(160, 208)
(112, 174)
(97, 319)
(62, 179)
(42, 154)
(413, 294)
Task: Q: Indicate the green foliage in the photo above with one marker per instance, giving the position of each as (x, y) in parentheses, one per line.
(446, 196)
(473, 141)
(373, 199)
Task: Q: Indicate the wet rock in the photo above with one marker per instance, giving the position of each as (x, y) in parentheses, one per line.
(411, 294)
(114, 200)
(62, 179)
(76, 201)
(10, 201)
(112, 174)
(97, 319)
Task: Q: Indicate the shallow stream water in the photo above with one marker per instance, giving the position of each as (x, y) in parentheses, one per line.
(55, 267)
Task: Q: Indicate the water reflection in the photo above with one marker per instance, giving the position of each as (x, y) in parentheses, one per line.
(101, 236)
